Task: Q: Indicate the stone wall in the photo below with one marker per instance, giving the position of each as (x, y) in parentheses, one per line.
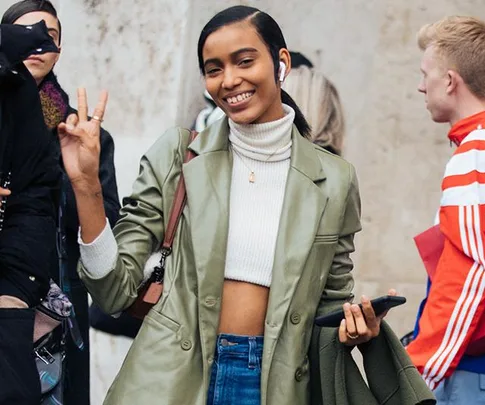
(144, 53)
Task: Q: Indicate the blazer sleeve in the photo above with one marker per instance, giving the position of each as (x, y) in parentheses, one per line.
(340, 282)
(139, 230)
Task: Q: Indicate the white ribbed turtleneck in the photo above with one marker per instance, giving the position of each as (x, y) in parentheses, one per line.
(255, 208)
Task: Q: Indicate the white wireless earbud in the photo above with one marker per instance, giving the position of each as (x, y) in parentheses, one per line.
(282, 71)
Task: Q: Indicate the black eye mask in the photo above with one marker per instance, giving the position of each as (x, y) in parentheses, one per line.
(18, 42)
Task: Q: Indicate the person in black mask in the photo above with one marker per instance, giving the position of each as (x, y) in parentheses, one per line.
(28, 192)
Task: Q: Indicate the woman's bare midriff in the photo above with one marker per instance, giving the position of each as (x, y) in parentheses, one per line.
(243, 308)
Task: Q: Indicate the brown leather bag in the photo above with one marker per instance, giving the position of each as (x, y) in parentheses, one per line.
(151, 291)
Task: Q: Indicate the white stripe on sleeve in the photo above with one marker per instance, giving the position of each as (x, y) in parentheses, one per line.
(470, 194)
(476, 135)
(466, 162)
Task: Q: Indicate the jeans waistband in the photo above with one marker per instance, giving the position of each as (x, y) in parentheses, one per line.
(237, 346)
(238, 342)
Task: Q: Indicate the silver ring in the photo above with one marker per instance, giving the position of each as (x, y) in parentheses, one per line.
(96, 118)
(353, 337)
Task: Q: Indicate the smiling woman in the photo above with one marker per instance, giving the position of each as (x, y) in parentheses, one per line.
(262, 245)
(242, 53)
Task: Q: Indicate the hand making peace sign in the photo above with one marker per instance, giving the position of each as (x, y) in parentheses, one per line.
(79, 139)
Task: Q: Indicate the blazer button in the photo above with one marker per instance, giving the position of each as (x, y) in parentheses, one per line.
(295, 318)
(298, 374)
(210, 301)
(186, 344)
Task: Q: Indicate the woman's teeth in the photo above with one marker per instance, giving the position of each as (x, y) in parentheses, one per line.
(238, 98)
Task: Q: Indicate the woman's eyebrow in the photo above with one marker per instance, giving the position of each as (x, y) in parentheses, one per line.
(243, 50)
(233, 55)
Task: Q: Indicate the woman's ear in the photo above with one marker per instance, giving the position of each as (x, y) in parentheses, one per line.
(285, 60)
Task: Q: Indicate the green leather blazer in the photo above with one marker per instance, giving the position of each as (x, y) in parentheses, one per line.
(170, 360)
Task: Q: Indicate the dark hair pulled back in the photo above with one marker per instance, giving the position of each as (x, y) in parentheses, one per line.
(17, 10)
(270, 33)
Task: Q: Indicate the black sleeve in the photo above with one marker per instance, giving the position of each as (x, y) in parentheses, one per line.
(107, 175)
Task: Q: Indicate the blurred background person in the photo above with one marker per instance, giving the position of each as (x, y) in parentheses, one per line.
(320, 103)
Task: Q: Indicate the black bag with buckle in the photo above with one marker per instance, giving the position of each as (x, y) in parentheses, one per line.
(55, 322)
(50, 354)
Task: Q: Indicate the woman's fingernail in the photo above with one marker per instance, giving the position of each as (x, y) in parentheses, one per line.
(365, 298)
(69, 127)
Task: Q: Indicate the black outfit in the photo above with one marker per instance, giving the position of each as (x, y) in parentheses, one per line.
(125, 325)
(56, 107)
(27, 240)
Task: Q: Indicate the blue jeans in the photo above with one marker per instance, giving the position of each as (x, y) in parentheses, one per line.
(462, 388)
(236, 371)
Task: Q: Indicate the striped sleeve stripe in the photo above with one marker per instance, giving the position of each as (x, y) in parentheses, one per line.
(472, 194)
(477, 135)
(461, 331)
(478, 234)
(463, 180)
(429, 371)
(473, 225)
(464, 240)
(456, 309)
(467, 304)
(470, 232)
(466, 162)
(475, 144)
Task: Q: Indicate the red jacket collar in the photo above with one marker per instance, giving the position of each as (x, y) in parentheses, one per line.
(462, 128)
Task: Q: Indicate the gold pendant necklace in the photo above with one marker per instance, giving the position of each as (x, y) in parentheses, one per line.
(252, 176)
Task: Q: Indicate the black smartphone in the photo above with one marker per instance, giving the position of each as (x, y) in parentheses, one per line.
(380, 305)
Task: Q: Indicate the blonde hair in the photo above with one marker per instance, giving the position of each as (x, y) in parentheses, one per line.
(460, 43)
(319, 102)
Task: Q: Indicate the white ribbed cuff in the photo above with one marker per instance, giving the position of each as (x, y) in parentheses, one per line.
(99, 256)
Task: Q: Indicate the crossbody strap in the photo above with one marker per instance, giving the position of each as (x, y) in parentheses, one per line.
(178, 202)
(155, 288)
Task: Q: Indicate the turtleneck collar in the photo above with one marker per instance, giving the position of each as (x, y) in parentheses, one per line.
(268, 142)
(462, 128)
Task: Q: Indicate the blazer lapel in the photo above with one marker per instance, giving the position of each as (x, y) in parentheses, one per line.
(208, 181)
(303, 206)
